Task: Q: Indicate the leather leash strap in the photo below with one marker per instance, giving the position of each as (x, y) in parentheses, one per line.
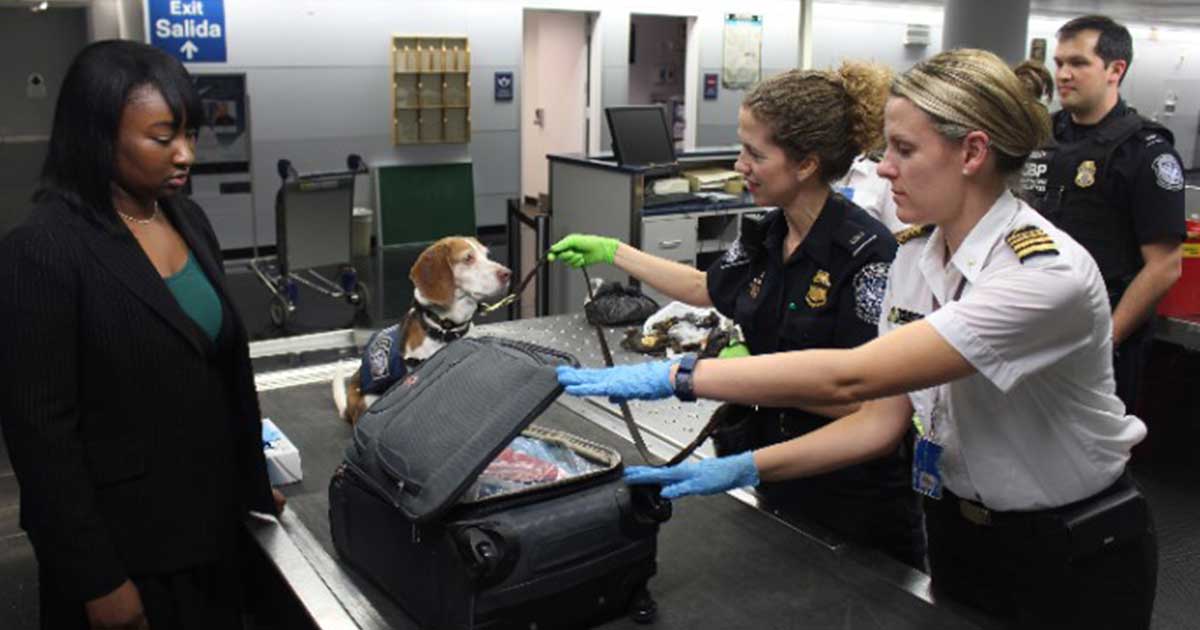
(627, 415)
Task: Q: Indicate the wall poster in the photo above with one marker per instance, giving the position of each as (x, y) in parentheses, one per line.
(741, 66)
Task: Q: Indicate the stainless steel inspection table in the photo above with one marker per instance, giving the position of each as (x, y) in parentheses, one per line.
(723, 563)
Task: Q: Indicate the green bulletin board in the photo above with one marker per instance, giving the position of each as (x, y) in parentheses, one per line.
(422, 203)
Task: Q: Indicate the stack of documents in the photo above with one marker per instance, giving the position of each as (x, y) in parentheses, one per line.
(710, 178)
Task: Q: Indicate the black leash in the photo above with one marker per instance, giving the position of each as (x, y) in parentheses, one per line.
(626, 414)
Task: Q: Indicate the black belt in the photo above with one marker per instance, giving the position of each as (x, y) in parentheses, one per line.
(980, 514)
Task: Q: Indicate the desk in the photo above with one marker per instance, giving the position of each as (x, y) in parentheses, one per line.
(1181, 331)
(595, 195)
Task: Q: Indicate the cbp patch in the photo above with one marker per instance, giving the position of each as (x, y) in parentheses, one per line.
(735, 256)
(1168, 172)
(869, 286)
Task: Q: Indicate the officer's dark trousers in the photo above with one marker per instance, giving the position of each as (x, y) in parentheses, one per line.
(1129, 362)
(202, 598)
(1019, 570)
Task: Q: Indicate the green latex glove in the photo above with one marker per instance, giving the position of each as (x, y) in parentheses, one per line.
(582, 250)
(734, 351)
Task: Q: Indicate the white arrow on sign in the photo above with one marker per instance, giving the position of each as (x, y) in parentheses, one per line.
(189, 49)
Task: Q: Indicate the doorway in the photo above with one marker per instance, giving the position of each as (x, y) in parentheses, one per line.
(554, 93)
(38, 48)
(658, 68)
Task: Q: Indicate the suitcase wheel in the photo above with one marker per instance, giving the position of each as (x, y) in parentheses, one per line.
(643, 609)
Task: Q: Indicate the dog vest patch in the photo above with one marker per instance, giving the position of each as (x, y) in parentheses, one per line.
(383, 361)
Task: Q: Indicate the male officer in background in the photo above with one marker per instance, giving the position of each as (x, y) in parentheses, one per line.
(1114, 182)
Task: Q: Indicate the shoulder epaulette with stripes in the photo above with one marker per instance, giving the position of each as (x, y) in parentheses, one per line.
(916, 231)
(1030, 241)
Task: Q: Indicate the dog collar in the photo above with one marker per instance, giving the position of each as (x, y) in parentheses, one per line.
(440, 328)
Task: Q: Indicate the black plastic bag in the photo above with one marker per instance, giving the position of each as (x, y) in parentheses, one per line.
(615, 304)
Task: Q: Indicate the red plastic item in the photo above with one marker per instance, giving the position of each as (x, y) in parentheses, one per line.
(1183, 300)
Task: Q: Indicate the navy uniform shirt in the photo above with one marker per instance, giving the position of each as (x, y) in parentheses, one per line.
(826, 295)
(1145, 178)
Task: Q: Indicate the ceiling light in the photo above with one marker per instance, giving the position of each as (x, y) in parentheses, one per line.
(41, 6)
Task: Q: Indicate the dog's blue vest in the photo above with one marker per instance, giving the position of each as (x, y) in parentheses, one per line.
(383, 361)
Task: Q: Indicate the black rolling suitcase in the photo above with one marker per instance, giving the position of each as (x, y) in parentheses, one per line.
(562, 554)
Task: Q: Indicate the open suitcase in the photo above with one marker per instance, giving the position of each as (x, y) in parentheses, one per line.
(559, 554)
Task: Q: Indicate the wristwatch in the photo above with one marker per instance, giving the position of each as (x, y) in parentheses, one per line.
(684, 385)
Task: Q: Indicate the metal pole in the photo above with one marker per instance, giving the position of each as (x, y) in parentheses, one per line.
(543, 239)
(514, 249)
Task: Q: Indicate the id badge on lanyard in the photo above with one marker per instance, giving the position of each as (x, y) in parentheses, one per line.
(926, 477)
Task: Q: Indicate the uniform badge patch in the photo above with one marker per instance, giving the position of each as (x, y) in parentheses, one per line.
(756, 285)
(1168, 172)
(869, 286)
(1030, 241)
(734, 256)
(902, 316)
(818, 291)
(1085, 175)
(908, 234)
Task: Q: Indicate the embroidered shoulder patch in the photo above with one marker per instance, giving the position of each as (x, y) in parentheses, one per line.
(869, 286)
(1167, 172)
(902, 316)
(916, 231)
(1030, 241)
(735, 256)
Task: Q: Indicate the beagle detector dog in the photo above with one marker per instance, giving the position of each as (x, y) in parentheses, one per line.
(450, 278)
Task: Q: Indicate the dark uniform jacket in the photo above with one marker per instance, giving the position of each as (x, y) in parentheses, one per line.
(826, 295)
(1112, 186)
(136, 439)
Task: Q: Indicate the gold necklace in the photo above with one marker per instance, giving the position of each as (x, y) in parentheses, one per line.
(147, 221)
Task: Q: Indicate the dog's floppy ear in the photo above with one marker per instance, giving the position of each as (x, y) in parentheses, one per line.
(432, 274)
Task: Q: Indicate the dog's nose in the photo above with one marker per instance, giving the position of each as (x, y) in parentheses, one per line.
(503, 274)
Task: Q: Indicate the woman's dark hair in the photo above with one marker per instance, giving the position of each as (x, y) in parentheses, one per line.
(81, 159)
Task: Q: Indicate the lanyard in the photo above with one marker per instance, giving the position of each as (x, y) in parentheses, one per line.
(937, 392)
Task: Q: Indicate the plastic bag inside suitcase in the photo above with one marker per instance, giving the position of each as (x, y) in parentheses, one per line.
(562, 554)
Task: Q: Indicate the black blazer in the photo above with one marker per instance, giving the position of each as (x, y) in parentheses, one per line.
(135, 439)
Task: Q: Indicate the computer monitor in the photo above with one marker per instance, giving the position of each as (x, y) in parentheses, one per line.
(640, 136)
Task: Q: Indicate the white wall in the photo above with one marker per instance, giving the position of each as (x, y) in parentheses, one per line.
(318, 79)
(1164, 59)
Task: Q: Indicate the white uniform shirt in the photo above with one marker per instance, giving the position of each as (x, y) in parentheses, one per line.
(1039, 425)
(870, 192)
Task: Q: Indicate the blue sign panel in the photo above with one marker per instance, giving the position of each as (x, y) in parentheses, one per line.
(191, 30)
(504, 86)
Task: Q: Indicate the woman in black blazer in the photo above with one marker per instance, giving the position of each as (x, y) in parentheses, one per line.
(131, 417)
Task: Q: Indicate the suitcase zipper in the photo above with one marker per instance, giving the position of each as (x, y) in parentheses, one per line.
(375, 487)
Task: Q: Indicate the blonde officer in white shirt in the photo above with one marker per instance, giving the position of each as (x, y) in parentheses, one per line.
(996, 332)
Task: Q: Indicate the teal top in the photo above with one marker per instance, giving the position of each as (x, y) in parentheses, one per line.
(197, 297)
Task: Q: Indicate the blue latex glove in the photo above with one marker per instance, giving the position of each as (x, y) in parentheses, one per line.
(708, 476)
(645, 381)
